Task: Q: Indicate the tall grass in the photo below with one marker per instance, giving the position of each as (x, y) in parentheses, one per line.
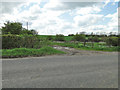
(23, 52)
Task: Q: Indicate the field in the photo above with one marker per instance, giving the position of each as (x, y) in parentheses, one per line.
(67, 38)
(31, 46)
(98, 46)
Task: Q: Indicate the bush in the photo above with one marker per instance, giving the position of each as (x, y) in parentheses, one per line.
(112, 41)
(71, 35)
(79, 37)
(17, 41)
(96, 39)
(10, 41)
(59, 37)
(50, 38)
(12, 27)
(26, 32)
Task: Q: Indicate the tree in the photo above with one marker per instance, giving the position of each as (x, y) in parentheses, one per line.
(80, 37)
(12, 28)
(49, 37)
(34, 32)
(96, 39)
(0, 31)
(91, 39)
(59, 37)
(71, 35)
(25, 31)
(112, 41)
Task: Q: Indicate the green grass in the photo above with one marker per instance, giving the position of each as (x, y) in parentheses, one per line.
(67, 38)
(97, 46)
(46, 50)
(24, 52)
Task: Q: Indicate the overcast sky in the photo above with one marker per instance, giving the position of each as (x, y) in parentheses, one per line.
(55, 17)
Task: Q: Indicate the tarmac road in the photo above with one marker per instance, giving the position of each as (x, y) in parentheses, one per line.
(96, 71)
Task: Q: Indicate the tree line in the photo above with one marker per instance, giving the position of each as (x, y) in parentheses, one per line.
(16, 28)
(14, 35)
(110, 40)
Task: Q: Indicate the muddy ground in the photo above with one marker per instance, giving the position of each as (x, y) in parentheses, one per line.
(73, 51)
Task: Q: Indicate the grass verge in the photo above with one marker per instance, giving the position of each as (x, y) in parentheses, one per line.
(24, 52)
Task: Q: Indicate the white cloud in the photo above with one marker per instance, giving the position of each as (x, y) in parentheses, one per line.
(46, 20)
(86, 20)
(113, 2)
(8, 7)
(35, 9)
(116, 0)
(58, 5)
(107, 1)
(113, 24)
(88, 10)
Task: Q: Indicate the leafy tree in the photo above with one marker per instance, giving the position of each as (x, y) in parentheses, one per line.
(96, 39)
(25, 31)
(0, 31)
(50, 37)
(71, 35)
(34, 32)
(59, 37)
(80, 37)
(12, 28)
(112, 41)
(91, 39)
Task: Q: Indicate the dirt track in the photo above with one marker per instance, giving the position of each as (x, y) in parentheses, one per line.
(73, 51)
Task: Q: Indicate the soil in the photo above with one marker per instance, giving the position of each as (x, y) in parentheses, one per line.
(73, 51)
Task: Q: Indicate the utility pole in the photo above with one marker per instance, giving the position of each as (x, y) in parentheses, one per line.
(27, 25)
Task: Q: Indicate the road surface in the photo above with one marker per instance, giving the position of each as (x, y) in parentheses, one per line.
(92, 71)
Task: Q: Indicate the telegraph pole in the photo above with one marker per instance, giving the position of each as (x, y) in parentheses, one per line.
(27, 25)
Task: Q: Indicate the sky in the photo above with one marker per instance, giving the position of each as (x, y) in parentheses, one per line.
(53, 17)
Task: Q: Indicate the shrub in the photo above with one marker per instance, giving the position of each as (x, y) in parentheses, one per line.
(71, 35)
(112, 41)
(12, 27)
(17, 41)
(79, 37)
(59, 37)
(96, 39)
(10, 41)
(50, 38)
